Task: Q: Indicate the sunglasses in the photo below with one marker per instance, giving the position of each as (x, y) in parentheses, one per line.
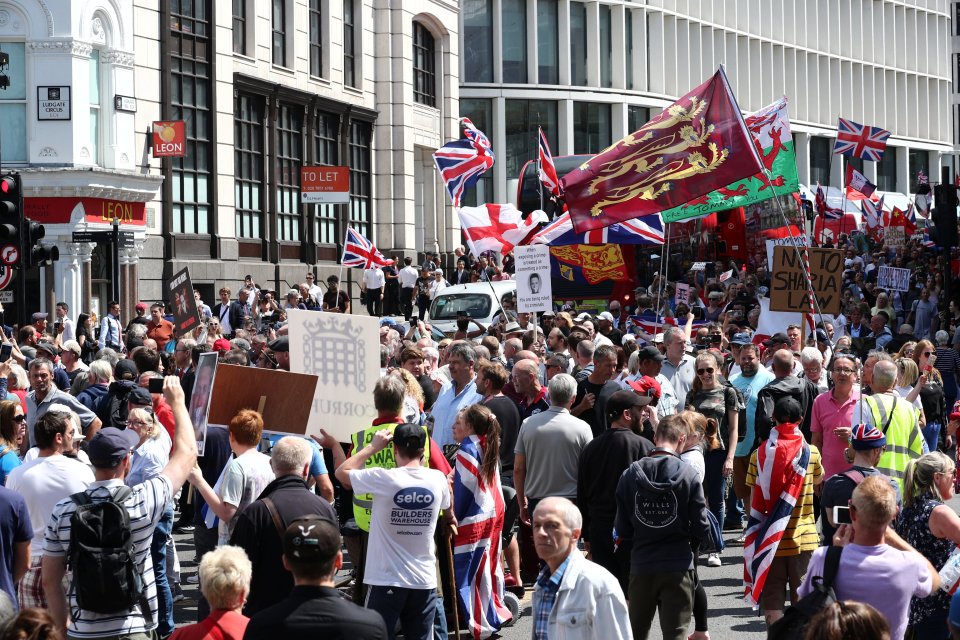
(928, 353)
(844, 372)
(703, 371)
(20, 418)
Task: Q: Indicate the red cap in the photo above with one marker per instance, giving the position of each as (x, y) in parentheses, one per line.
(646, 386)
(955, 414)
(142, 306)
(222, 344)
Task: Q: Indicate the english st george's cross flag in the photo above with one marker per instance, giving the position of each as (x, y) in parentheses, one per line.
(497, 227)
(462, 162)
(770, 129)
(645, 230)
(548, 172)
(860, 141)
(360, 252)
(857, 185)
(696, 145)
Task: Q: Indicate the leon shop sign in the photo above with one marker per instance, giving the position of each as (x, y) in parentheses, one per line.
(169, 139)
(324, 185)
(788, 285)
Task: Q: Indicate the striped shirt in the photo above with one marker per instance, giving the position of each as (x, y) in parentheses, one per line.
(146, 506)
(801, 532)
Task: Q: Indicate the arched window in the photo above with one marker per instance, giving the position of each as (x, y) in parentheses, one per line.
(424, 66)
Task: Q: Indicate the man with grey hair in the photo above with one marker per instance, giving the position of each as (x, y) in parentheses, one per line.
(46, 393)
(569, 586)
(101, 375)
(459, 394)
(895, 417)
(584, 360)
(547, 455)
(678, 366)
(785, 384)
(259, 528)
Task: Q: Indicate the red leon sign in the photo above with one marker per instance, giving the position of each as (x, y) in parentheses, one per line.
(169, 139)
(64, 210)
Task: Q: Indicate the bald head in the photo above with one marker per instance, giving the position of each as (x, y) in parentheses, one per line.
(526, 355)
(782, 363)
(884, 376)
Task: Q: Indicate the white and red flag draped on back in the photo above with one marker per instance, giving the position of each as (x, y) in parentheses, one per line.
(360, 252)
(497, 227)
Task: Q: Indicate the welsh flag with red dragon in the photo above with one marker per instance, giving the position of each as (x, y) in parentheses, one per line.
(770, 128)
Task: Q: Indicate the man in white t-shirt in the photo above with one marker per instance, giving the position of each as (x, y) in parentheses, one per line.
(373, 283)
(242, 480)
(43, 482)
(401, 556)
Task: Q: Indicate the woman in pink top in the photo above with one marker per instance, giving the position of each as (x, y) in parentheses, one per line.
(832, 413)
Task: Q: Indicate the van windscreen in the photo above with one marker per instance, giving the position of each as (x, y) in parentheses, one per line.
(448, 307)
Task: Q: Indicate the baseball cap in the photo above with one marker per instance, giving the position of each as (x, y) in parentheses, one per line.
(110, 445)
(72, 345)
(48, 347)
(620, 401)
(606, 315)
(777, 338)
(38, 316)
(281, 344)
(820, 335)
(304, 541)
(125, 370)
(584, 316)
(865, 437)
(409, 435)
(141, 306)
(548, 313)
(647, 386)
(222, 345)
(650, 353)
(955, 413)
(740, 339)
(140, 397)
(715, 295)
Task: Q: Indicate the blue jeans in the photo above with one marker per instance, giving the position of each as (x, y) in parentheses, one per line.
(414, 608)
(931, 433)
(158, 553)
(933, 628)
(715, 483)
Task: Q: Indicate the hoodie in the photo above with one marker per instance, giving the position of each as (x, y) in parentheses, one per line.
(661, 513)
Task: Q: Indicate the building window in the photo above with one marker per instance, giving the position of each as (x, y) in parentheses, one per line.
(479, 110)
(240, 26)
(521, 119)
(424, 63)
(956, 59)
(477, 40)
(95, 106)
(360, 181)
(820, 151)
(856, 163)
(548, 46)
(578, 44)
(349, 44)
(514, 14)
(591, 127)
(628, 28)
(606, 47)
(248, 166)
(887, 170)
(637, 117)
(190, 91)
(13, 106)
(280, 32)
(289, 157)
(316, 38)
(919, 161)
(956, 16)
(325, 152)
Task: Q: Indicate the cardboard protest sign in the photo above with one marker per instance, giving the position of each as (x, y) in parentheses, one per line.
(186, 316)
(789, 241)
(534, 288)
(893, 279)
(682, 294)
(199, 408)
(894, 236)
(344, 352)
(272, 392)
(788, 286)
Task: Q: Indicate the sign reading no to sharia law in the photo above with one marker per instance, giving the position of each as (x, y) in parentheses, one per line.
(788, 286)
(534, 290)
(343, 351)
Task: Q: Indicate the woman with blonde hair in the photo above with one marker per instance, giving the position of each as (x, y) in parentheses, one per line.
(563, 320)
(907, 377)
(478, 499)
(933, 529)
(906, 351)
(413, 398)
(933, 397)
(225, 583)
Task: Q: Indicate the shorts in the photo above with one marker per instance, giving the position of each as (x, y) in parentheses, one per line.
(741, 464)
(30, 589)
(784, 569)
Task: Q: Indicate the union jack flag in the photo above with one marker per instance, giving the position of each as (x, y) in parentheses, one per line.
(548, 172)
(824, 209)
(860, 141)
(926, 241)
(922, 178)
(462, 162)
(479, 508)
(651, 322)
(645, 230)
(360, 252)
(873, 216)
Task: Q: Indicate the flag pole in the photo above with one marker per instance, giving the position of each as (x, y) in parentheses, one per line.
(539, 167)
(663, 276)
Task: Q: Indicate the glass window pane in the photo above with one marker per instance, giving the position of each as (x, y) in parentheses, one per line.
(522, 117)
(820, 151)
(548, 42)
(18, 85)
(95, 77)
(578, 44)
(887, 170)
(477, 40)
(919, 162)
(13, 118)
(514, 40)
(95, 135)
(606, 47)
(637, 117)
(591, 127)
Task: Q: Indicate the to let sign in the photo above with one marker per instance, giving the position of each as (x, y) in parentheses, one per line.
(169, 139)
(324, 185)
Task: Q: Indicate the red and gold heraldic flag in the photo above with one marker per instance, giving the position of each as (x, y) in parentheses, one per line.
(697, 144)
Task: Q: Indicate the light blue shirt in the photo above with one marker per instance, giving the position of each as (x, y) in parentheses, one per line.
(446, 407)
(109, 331)
(750, 387)
(147, 461)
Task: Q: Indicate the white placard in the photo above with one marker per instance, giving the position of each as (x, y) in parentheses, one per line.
(344, 352)
(894, 236)
(698, 266)
(200, 397)
(682, 294)
(534, 290)
(893, 279)
(797, 241)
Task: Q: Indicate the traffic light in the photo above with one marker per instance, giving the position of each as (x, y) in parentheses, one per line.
(34, 253)
(10, 209)
(944, 216)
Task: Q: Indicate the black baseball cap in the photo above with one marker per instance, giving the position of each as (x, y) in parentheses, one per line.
(620, 401)
(650, 353)
(777, 338)
(410, 436)
(311, 539)
(110, 445)
(281, 345)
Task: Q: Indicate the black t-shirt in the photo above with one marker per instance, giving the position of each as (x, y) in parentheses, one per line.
(595, 416)
(837, 491)
(429, 395)
(316, 612)
(509, 418)
(336, 300)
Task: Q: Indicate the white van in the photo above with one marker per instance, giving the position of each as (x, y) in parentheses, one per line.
(479, 300)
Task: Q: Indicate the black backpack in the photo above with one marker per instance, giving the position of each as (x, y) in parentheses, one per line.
(793, 624)
(101, 555)
(114, 407)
